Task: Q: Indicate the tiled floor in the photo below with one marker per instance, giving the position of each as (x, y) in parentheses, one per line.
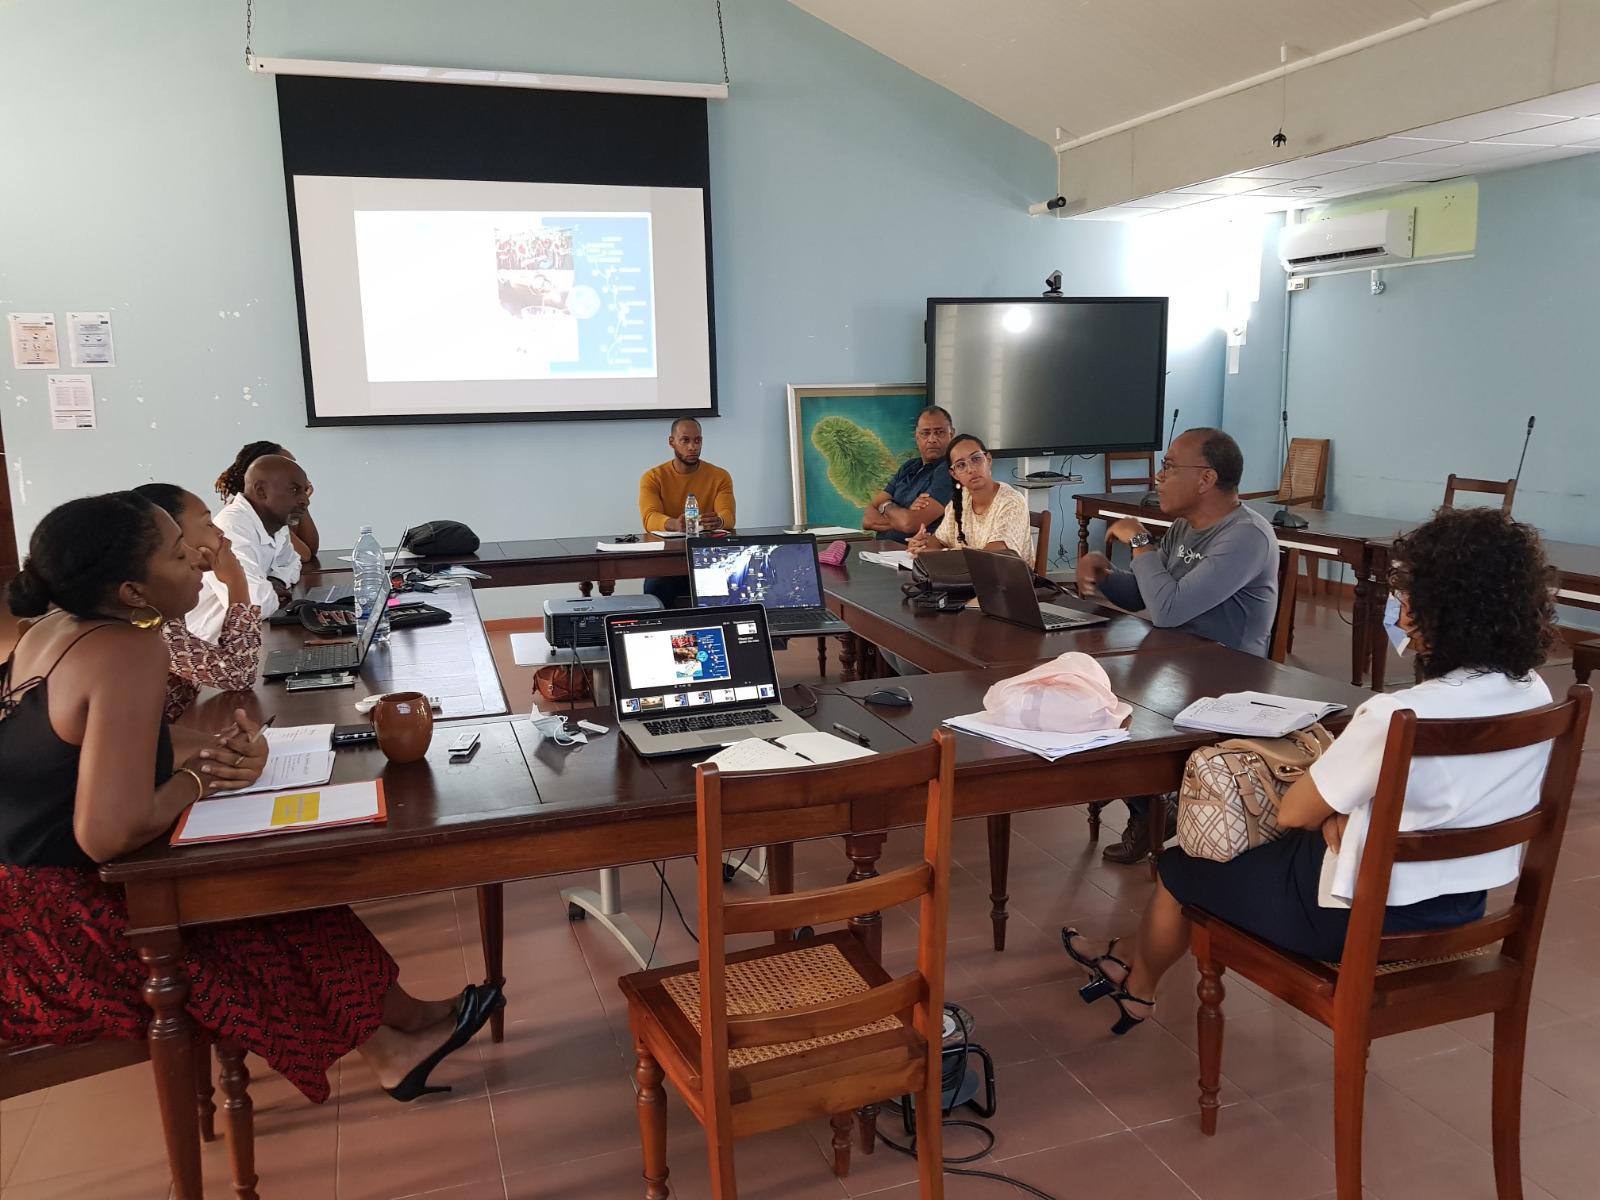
(549, 1113)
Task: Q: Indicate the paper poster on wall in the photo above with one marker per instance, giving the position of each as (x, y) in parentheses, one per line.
(90, 336)
(33, 341)
(71, 402)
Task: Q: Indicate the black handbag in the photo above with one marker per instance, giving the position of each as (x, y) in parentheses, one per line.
(436, 538)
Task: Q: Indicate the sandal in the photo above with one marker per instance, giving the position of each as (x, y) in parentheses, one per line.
(1100, 984)
(1121, 997)
(477, 1003)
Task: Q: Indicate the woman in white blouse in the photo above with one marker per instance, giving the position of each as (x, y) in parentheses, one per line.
(1475, 607)
(982, 514)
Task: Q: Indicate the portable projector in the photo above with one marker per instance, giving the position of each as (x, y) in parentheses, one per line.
(582, 622)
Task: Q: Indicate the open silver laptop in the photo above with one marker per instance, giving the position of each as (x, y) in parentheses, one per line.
(690, 679)
(775, 570)
(1005, 591)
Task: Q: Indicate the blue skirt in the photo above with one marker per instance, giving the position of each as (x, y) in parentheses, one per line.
(1271, 891)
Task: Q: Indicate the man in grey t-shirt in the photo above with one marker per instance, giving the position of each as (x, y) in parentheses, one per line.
(1213, 574)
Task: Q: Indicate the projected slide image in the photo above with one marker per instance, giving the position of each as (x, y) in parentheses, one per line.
(783, 575)
(471, 295)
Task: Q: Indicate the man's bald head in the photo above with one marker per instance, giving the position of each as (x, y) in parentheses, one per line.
(277, 488)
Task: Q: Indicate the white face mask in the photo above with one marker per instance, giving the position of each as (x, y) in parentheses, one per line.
(1398, 637)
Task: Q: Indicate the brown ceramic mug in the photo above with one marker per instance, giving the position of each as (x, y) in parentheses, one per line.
(405, 726)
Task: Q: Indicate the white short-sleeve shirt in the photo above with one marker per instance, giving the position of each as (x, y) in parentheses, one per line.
(264, 556)
(1442, 793)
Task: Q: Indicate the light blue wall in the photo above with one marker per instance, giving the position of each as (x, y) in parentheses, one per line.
(1250, 397)
(145, 178)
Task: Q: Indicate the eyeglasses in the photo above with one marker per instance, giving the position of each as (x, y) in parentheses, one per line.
(1168, 465)
(970, 463)
(939, 431)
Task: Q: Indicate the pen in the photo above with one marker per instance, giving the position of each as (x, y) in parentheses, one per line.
(850, 733)
(1264, 704)
(265, 725)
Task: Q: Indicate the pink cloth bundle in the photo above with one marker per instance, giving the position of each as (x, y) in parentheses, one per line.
(1069, 694)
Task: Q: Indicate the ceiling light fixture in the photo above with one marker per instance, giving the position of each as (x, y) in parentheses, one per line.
(1306, 189)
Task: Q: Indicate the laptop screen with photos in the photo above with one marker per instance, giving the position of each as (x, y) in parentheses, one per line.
(774, 571)
(682, 661)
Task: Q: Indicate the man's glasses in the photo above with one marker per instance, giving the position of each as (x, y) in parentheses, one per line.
(969, 463)
(1168, 465)
(933, 433)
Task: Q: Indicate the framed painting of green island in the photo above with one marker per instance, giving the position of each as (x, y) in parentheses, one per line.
(845, 442)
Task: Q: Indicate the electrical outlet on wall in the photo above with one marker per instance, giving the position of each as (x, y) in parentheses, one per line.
(1298, 283)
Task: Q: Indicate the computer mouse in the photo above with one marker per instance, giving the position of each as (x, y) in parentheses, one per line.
(892, 697)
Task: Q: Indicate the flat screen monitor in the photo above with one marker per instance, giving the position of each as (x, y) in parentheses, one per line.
(1038, 376)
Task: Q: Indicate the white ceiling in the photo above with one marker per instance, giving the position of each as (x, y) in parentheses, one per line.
(1087, 65)
(1534, 131)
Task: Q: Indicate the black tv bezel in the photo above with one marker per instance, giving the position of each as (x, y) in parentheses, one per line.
(1154, 442)
(367, 128)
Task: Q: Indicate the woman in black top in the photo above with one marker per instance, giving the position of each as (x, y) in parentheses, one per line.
(89, 771)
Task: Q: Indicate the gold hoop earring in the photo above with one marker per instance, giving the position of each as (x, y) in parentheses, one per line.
(150, 622)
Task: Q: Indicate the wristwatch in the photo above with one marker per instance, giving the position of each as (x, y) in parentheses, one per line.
(883, 509)
(1140, 540)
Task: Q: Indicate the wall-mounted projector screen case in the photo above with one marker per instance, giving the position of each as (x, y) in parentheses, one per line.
(532, 264)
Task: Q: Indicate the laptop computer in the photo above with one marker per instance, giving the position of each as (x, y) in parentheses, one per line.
(345, 593)
(775, 570)
(1005, 590)
(317, 660)
(690, 679)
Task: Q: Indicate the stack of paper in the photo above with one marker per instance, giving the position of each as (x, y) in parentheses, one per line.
(626, 547)
(297, 756)
(900, 559)
(1048, 746)
(224, 818)
(1253, 714)
(833, 531)
(793, 750)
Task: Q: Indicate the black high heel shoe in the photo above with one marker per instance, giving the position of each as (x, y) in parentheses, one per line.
(1121, 997)
(1100, 984)
(479, 1002)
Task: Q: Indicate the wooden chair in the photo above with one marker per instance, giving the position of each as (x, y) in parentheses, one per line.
(1392, 984)
(769, 1037)
(1304, 482)
(1039, 521)
(1145, 458)
(1585, 658)
(25, 1069)
(1507, 491)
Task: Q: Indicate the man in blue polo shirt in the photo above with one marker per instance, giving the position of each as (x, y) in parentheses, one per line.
(920, 489)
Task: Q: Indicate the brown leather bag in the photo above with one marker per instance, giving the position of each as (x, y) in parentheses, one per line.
(562, 684)
(1228, 801)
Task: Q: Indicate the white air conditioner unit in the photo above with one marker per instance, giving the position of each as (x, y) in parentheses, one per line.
(1356, 243)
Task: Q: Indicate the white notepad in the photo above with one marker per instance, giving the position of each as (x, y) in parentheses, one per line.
(1253, 714)
(225, 818)
(792, 750)
(297, 756)
(626, 547)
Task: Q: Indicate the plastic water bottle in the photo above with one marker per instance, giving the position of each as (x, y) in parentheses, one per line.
(371, 586)
(691, 516)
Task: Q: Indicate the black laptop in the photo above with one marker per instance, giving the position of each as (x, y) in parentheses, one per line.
(319, 660)
(1005, 590)
(775, 570)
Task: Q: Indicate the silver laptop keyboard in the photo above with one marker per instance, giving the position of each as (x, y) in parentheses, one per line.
(752, 716)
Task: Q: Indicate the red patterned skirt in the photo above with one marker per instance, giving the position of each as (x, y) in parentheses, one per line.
(301, 990)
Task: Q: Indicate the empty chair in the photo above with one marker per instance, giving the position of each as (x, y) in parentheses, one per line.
(1507, 491)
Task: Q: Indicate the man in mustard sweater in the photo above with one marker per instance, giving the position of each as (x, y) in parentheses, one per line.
(664, 490)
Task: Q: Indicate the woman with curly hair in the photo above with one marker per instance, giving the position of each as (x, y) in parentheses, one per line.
(304, 536)
(1475, 606)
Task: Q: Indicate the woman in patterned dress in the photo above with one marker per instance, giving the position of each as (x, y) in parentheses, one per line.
(231, 663)
(983, 513)
(81, 726)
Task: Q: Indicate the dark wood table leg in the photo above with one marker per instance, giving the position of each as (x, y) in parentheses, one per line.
(1156, 819)
(238, 1115)
(864, 850)
(171, 1036)
(1359, 653)
(492, 932)
(780, 881)
(1083, 529)
(849, 656)
(999, 871)
(585, 588)
(607, 586)
(822, 658)
(204, 1105)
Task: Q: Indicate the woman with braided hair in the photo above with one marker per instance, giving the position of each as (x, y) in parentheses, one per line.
(304, 536)
(983, 514)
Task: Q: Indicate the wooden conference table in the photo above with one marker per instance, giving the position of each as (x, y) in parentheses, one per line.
(1363, 543)
(523, 808)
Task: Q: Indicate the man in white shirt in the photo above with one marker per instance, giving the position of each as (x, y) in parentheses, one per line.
(257, 522)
